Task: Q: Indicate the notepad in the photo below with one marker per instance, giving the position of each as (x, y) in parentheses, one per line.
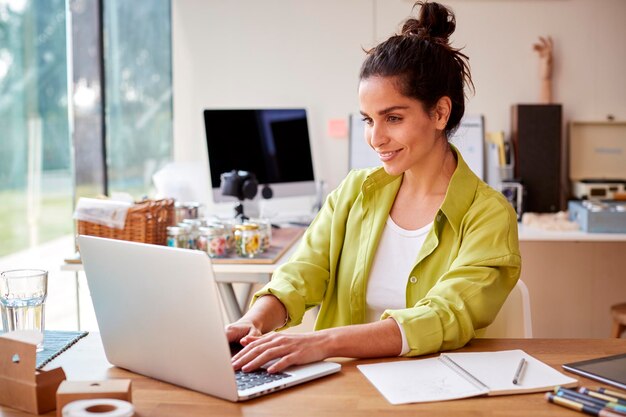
(461, 375)
(56, 342)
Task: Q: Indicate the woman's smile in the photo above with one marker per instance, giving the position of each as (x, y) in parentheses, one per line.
(387, 156)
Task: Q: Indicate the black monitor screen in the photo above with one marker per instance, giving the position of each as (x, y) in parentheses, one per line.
(273, 144)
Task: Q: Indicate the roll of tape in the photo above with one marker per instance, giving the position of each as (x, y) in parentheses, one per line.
(101, 407)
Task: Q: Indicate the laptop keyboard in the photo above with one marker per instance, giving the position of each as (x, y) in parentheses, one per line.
(247, 380)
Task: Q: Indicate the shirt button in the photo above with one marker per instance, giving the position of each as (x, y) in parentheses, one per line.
(438, 217)
(413, 280)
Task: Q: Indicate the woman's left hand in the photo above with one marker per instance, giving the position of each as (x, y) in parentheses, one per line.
(289, 348)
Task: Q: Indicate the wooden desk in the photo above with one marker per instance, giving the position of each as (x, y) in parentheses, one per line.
(345, 394)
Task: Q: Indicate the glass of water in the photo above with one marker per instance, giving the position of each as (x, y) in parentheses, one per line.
(22, 296)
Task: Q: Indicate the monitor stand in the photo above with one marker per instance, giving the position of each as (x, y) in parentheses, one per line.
(288, 210)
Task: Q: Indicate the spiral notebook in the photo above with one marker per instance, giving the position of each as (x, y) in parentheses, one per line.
(461, 375)
(56, 342)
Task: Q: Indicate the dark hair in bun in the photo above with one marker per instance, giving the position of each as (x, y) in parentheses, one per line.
(421, 57)
(435, 22)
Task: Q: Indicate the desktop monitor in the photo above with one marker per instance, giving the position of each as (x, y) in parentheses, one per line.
(274, 144)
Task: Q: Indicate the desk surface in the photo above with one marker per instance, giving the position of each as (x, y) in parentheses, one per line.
(530, 233)
(526, 234)
(347, 393)
(228, 267)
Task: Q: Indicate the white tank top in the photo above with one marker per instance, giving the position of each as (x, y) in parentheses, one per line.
(396, 254)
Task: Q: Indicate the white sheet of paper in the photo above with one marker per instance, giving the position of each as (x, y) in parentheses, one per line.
(419, 380)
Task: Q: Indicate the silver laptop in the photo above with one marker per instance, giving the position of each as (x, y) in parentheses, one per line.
(159, 315)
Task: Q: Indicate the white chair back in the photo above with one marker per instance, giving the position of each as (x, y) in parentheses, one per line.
(514, 318)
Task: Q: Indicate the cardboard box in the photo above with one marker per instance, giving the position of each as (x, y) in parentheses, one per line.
(21, 385)
(599, 217)
(597, 151)
(118, 389)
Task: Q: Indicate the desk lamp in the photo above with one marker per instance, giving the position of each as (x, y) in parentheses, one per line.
(240, 184)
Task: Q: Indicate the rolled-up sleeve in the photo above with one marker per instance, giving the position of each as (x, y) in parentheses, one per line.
(470, 293)
(301, 283)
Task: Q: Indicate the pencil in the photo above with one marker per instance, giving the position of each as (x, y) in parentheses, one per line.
(586, 399)
(612, 393)
(583, 408)
(518, 373)
(604, 397)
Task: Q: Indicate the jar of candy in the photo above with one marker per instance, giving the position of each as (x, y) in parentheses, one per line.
(189, 233)
(177, 237)
(186, 210)
(265, 233)
(194, 231)
(229, 229)
(247, 240)
(212, 240)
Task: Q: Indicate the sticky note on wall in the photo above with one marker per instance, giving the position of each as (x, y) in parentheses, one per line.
(337, 128)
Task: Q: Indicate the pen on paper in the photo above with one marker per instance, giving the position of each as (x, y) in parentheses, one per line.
(518, 373)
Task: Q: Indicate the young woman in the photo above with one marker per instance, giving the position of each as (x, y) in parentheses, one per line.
(407, 259)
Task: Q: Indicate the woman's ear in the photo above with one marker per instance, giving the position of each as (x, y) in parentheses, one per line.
(442, 112)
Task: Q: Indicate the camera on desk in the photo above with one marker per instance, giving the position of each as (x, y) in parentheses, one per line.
(240, 184)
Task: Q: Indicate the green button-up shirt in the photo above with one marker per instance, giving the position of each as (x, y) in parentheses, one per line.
(466, 268)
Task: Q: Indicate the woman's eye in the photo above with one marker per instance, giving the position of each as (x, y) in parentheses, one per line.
(393, 119)
(367, 120)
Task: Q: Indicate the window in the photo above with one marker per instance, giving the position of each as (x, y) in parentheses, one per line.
(85, 109)
(138, 94)
(35, 163)
(42, 130)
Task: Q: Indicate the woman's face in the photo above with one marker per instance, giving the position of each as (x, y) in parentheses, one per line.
(397, 127)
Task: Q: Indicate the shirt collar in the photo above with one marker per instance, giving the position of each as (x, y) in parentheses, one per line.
(459, 196)
(461, 192)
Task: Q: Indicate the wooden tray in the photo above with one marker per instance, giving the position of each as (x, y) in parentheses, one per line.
(282, 239)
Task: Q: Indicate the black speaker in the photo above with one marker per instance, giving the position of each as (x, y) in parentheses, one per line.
(536, 133)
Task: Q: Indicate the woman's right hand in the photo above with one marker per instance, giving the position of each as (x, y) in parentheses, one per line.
(267, 314)
(240, 329)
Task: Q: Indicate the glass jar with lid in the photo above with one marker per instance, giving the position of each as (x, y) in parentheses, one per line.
(186, 210)
(194, 232)
(177, 237)
(247, 240)
(189, 233)
(229, 227)
(265, 232)
(212, 240)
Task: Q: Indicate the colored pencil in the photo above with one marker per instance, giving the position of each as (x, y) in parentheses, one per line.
(578, 406)
(602, 396)
(612, 393)
(577, 396)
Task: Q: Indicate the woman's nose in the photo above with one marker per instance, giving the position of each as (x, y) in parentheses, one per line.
(376, 136)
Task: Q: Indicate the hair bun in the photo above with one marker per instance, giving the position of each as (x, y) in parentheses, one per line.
(435, 21)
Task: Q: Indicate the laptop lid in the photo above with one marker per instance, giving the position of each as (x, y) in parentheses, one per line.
(159, 315)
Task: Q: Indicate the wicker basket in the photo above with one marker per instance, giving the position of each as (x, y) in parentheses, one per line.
(146, 222)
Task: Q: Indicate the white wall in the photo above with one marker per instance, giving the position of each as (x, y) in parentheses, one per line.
(292, 53)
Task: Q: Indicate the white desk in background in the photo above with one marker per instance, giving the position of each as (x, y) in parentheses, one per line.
(226, 274)
(534, 234)
(573, 278)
